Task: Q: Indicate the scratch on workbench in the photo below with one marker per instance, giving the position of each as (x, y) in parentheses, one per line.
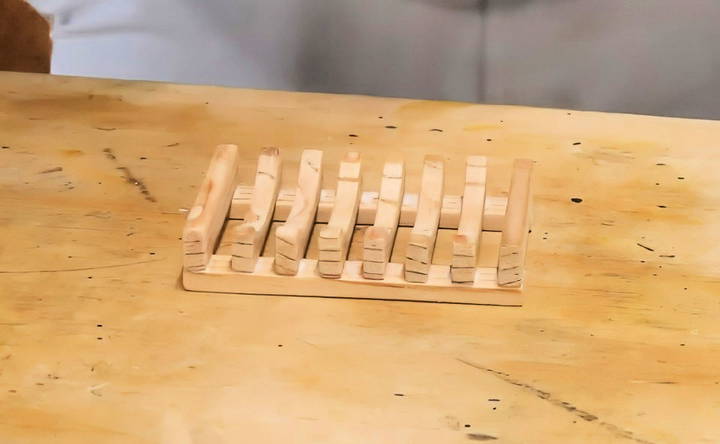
(109, 154)
(60, 270)
(129, 178)
(95, 389)
(62, 227)
(99, 214)
(592, 290)
(583, 414)
(480, 437)
(51, 170)
(309, 343)
(90, 297)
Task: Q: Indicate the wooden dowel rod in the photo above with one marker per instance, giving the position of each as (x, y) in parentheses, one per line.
(494, 208)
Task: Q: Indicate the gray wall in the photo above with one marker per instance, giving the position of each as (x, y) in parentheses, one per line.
(642, 56)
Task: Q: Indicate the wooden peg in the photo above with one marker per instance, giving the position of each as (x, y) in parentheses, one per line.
(421, 245)
(207, 215)
(292, 237)
(467, 240)
(379, 239)
(249, 238)
(335, 237)
(515, 231)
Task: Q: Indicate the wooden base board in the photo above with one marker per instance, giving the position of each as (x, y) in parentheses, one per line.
(219, 277)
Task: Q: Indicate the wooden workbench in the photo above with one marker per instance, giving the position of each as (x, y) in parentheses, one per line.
(619, 338)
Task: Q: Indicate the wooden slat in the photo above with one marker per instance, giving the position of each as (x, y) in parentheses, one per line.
(438, 288)
(292, 237)
(379, 239)
(449, 213)
(249, 238)
(515, 232)
(335, 237)
(419, 252)
(207, 215)
(467, 240)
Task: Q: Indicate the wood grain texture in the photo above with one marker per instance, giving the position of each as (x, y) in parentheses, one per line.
(207, 215)
(419, 251)
(449, 213)
(350, 283)
(334, 238)
(292, 237)
(250, 236)
(99, 342)
(511, 263)
(467, 240)
(379, 239)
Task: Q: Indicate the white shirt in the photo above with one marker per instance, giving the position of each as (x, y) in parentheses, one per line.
(659, 57)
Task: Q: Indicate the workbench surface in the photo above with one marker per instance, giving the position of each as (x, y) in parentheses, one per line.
(618, 340)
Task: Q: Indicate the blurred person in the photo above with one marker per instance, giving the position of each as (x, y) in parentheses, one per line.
(660, 57)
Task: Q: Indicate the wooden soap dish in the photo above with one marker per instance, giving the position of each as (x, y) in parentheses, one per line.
(347, 243)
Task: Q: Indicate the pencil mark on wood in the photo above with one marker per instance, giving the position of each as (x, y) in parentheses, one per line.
(582, 414)
(313, 167)
(109, 154)
(129, 178)
(265, 173)
(99, 214)
(480, 437)
(61, 270)
(285, 242)
(51, 170)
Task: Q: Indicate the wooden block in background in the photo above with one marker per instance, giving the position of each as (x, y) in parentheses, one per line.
(25, 38)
